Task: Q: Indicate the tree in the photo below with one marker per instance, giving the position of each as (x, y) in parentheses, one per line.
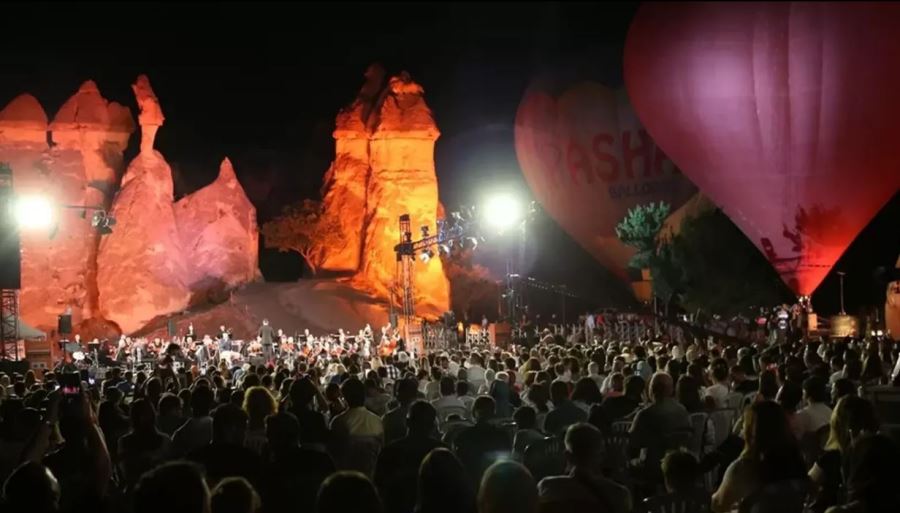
(640, 228)
(711, 265)
(302, 227)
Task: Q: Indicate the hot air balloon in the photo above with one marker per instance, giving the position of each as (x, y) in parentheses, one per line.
(787, 115)
(587, 159)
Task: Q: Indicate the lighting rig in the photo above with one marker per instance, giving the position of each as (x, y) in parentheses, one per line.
(457, 232)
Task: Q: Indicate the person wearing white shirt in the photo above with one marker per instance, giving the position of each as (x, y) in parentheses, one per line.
(816, 414)
(594, 374)
(488, 379)
(475, 371)
(448, 398)
(719, 390)
(618, 365)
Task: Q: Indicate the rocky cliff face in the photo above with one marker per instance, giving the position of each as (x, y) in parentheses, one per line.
(142, 267)
(383, 168)
(217, 227)
(892, 308)
(402, 181)
(88, 134)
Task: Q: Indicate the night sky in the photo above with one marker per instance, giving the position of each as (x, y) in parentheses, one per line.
(262, 82)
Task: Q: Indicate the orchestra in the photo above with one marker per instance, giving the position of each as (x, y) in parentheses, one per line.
(190, 350)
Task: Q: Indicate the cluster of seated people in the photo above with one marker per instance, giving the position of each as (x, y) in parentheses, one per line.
(567, 426)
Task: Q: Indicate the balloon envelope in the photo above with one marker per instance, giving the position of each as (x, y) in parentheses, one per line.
(588, 160)
(786, 114)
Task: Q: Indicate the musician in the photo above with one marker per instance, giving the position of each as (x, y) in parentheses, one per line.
(201, 354)
(224, 342)
(265, 336)
(122, 352)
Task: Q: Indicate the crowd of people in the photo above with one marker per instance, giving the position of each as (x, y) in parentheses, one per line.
(592, 421)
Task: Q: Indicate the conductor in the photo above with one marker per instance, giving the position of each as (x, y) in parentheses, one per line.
(265, 335)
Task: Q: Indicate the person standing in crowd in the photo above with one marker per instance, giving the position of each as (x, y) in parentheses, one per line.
(265, 334)
(399, 462)
(292, 471)
(226, 455)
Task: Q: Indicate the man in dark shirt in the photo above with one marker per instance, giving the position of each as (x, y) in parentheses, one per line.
(398, 464)
(564, 412)
(226, 456)
(481, 445)
(265, 334)
(313, 429)
(395, 424)
(655, 425)
(292, 473)
(740, 383)
(615, 408)
(584, 488)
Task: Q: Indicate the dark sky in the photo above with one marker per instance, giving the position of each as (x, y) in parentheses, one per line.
(261, 83)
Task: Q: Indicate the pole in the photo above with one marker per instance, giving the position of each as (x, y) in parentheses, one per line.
(841, 274)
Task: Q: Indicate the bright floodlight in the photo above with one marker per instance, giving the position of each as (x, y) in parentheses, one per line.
(502, 211)
(33, 212)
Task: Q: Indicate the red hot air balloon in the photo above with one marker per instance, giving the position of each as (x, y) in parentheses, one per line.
(787, 115)
(588, 160)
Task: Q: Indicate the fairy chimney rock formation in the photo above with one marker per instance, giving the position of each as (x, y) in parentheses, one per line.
(892, 307)
(55, 261)
(151, 115)
(383, 168)
(23, 121)
(89, 120)
(142, 269)
(344, 189)
(218, 230)
(403, 181)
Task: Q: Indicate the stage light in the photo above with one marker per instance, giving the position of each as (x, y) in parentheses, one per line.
(444, 248)
(33, 212)
(502, 211)
(426, 255)
(424, 232)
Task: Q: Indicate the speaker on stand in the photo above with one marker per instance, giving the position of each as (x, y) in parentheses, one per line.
(64, 324)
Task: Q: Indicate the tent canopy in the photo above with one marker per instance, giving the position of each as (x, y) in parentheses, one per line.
(26, 332)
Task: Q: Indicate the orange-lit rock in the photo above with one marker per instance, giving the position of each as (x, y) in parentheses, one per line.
(151, 116)
(344, 188)
(219, 234)
(402, 180)
(892, 308)
(383, 168)
(89, 135)
(98, 128)
(142, 265)
(23, 121)
(54, 270)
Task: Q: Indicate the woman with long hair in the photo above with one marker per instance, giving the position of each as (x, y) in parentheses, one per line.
(258, 404)
(768, 386)
(771, 455)
(443, 486)
(687, 392)
(872, 482)
(852, 418)
(586, 394)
